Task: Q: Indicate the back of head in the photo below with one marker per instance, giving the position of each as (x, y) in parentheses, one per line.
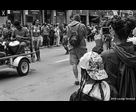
(16, 23)
(123, 26)
(77, 17)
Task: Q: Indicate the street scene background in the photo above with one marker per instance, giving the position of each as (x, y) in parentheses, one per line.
(45, 33)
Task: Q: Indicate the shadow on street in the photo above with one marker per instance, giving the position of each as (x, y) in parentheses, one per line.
(7, 74)
(12, 74)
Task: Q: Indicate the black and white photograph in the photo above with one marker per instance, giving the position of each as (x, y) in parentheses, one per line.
(67, 55)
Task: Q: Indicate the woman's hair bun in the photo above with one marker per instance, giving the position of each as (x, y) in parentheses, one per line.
(123, 26)
(130, 23)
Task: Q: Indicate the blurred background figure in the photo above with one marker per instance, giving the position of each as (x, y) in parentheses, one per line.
(57, 33)
(45, 33)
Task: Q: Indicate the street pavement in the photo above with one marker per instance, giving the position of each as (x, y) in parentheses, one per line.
(51, 79)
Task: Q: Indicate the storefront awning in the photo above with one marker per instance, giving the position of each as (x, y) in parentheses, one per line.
(14, 11)
(34, 12)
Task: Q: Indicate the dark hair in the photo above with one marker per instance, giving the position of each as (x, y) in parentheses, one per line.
(65, 24)
(123, 26)
(35, 21)
(16, 23)
(77, 17)
(7, 21)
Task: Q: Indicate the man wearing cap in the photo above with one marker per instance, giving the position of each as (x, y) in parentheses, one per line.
(77, 52)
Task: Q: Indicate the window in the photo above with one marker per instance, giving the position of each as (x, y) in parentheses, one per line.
(30, 19)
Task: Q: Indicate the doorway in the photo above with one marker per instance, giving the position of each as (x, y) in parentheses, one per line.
(83, 19)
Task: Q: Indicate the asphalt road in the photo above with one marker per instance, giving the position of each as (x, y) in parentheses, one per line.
(49, 80)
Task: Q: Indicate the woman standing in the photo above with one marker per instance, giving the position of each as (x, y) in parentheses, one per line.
(36, 34)
(57, 33)
(120, 60)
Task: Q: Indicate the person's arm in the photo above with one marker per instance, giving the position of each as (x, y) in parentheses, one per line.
(68, 32)
(4, 34)
(13, 35)
(42, 30)
(27, 35)
(31, 31)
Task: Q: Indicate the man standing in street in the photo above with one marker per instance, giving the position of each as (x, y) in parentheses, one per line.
(77, 52)
(45, 34)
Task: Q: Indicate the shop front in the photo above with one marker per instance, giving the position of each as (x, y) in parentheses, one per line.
(60, 17)
(15, 15)
(32, 15)
(47, 16)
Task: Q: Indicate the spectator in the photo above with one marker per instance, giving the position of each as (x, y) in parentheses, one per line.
(7, 32)
(120, 60)
(61, 32)
(36, 34)
(51, 35)
(77, 52)
(89, 33)
(57, 33)
(45, 34)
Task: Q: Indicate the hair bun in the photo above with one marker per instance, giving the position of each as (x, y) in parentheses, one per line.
(123, 26)
(130, 23)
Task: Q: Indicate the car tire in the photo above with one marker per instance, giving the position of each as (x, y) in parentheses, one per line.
(23, 67)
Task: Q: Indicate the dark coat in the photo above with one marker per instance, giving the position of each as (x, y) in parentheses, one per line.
(120, 65)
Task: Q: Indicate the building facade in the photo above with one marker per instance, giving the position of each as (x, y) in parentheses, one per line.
(3, 17)
(28, 16)
(51, 16)
(31, 15)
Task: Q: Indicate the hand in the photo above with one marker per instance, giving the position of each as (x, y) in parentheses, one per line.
(12, 39)
(18, 37)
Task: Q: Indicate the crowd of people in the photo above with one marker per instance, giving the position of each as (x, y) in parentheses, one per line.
(52, 34)
(115, 60)
(42, 35)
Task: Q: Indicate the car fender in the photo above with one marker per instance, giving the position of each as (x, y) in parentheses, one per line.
(18, 59)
